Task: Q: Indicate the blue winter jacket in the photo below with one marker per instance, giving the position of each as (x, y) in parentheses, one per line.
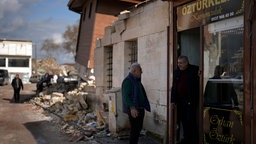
(137, 97)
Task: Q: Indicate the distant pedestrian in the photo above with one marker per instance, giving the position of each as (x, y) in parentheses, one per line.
(135, 101)
(46, 79)
(44, 82)
(17, 85)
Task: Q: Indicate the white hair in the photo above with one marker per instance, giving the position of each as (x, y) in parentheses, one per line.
(133, 66)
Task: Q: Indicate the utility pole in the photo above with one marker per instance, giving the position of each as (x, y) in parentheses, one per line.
(35, 57)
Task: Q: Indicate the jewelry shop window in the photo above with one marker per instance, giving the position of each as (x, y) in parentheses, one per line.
(223, 81)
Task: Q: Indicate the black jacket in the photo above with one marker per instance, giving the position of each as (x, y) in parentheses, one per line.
(220, 94)
(191, 74)
(14, 84)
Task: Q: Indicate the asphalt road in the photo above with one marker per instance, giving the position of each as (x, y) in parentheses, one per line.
(24, 123)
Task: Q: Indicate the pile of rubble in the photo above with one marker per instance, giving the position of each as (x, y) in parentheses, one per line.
(70, 110)
(68, 103)
(50, 65)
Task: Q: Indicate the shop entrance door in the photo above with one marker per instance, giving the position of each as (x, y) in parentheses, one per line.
(219, 52)
(188, 45)
(211, 34)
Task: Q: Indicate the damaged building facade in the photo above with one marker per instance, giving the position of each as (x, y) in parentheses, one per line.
(94, 17)
(211, 33)
(109, 42)
(139, 35)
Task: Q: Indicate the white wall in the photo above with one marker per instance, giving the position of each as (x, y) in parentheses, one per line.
(16, 48)
(148, 25)
(20, 49)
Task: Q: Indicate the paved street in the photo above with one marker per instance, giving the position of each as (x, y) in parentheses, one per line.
(24, 123)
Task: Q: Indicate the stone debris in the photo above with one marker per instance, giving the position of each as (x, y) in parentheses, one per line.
(71, 112)
(70, 102)
(50, 65)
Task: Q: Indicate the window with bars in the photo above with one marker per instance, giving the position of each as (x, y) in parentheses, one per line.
(109, 66)
(133, 54)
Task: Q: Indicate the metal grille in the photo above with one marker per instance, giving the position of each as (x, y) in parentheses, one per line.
(109, 67)
(133, 52)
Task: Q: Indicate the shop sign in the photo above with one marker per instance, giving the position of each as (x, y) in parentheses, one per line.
(222, 126)
(202, 12)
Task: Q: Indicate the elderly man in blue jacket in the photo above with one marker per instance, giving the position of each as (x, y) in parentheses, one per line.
(135, 101)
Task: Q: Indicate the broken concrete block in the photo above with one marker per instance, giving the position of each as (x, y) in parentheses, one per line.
(69, 117)
(82, 102)
(57, 94)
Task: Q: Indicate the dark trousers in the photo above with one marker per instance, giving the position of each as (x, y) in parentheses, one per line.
(16, 95)
(187, 115)
(136, 127)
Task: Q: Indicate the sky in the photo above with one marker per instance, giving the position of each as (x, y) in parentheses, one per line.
(37, 20)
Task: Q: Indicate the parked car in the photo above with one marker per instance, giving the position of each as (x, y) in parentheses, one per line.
(71, 78)
(35, 78)
(4, 77)
(67, 79)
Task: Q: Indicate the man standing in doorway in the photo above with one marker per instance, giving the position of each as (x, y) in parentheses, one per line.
(185, 95)
(17, 85)
(134, 101)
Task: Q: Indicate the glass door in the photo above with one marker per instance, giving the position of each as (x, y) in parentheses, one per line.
(223, 99)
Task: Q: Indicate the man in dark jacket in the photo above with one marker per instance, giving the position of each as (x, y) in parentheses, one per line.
(220, 93)
(47, 79)
(185, 95)
(44, 82)
(17, 85)
(134, 101)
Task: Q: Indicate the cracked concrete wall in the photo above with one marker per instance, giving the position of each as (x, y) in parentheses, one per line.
(148, 26)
